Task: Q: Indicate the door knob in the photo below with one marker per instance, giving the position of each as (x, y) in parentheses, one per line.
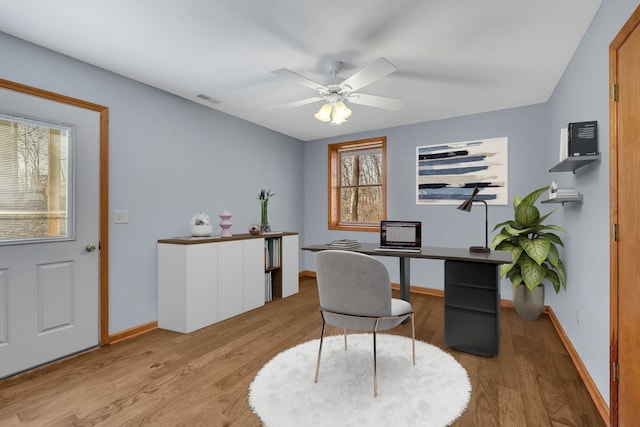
(91, 247)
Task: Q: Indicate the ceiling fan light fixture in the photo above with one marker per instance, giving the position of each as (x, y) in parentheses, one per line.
(324, 114)
(340, 113)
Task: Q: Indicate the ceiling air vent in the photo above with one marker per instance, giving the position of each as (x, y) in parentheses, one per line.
(208, 98)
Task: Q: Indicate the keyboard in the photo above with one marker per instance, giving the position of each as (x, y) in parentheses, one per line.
(391, 249)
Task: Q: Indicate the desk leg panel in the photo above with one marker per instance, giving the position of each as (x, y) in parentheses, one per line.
(405, 278)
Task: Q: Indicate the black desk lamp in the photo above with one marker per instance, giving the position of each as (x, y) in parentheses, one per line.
(466, 206)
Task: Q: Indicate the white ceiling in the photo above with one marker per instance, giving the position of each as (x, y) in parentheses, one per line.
(453, 57)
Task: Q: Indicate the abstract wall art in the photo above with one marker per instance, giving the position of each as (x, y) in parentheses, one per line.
(447, 173)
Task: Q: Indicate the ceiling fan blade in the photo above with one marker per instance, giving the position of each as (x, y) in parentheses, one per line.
(385, 102)
(297, 103)
(369, 74)
(299, 78)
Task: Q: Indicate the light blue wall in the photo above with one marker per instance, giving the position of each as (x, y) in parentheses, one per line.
(169, 158)
(583, 95)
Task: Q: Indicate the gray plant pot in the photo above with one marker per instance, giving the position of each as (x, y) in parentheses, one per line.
(528, 304)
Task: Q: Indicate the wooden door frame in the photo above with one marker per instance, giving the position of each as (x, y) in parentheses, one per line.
(103, 266)
(617, 42)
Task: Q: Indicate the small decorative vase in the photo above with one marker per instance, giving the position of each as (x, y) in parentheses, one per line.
(225, 223)
(264, 219)
(200, 225)
(528, 304)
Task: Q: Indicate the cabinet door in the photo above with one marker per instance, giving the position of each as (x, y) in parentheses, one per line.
(187, 286)
(230, 278)
(172, 287)
(289, 265)
(253, 285)
(202, 295)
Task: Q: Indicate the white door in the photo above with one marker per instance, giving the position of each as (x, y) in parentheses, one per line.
(49, 287)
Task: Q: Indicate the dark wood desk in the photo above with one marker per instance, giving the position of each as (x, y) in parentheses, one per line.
(471, 292)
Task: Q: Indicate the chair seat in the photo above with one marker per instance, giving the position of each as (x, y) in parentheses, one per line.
(399, 307)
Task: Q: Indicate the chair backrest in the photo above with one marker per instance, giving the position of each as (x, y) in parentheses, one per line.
(353, 283)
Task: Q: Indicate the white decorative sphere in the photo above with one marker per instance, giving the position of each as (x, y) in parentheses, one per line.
(201, 225)
(255, 229)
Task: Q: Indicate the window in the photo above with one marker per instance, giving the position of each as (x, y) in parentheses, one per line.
(357, 185)
(34, 180)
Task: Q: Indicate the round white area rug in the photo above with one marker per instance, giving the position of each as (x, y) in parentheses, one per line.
(434, 392)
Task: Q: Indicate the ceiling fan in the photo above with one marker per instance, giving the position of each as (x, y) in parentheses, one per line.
(337, 91)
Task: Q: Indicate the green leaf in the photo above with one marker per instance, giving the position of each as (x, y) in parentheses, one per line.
(505, 245)
(527, 215)
(515, 253)
(552, 238)
(533, 196)
(553, 257)
(562, 274)
(545, 216)
(502, 224)
(498, 239)
(532, 273)
(505, 268)
(516, 280)
(537, 249)
(552, 276)
(552, 227)
(516, 201)
(518, 231)
(515, 250)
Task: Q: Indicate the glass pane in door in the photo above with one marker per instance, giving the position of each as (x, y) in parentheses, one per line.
(35, 181)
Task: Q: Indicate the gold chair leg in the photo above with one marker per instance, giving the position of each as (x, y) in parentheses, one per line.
(375, 361)
(413, 338)
(319, 352)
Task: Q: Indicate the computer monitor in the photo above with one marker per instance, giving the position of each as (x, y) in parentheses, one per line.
(403, 234)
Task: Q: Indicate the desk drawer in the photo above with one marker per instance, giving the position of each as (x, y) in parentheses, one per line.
(471, 298)
(474, 274)
(472, 331)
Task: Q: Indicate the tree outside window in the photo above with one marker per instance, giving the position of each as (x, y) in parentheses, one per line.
(357, 184)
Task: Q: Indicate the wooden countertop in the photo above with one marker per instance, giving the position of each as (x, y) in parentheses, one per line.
(191, 240)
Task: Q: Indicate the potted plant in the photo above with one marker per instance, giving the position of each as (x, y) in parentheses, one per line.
(533, 246)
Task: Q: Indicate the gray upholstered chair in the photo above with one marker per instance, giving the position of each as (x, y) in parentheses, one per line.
(355, 294)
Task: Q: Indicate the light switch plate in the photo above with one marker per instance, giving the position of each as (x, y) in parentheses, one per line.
(121, 217)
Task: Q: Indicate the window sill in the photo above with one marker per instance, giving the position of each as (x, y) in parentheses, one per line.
(369, 228)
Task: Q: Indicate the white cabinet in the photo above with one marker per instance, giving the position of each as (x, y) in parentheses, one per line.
(289, 265)
(202, 281)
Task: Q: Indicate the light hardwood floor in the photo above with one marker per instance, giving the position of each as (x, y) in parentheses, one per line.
(201, 379)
